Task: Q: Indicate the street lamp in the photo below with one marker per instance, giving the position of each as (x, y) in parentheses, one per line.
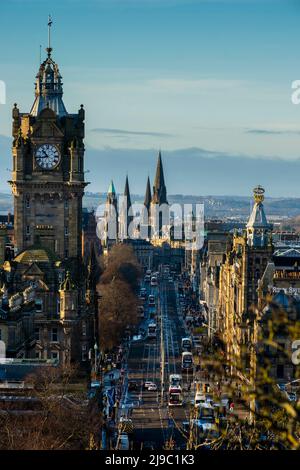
(95, 351)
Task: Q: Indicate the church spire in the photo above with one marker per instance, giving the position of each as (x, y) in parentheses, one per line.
(159, 188)
(111, 189)
(48, 85)
(147, 200)
(127, 193)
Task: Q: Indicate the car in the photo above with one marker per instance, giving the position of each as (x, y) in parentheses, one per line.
(147, 384)
(199, 398)
(137, 338)
(152, 388)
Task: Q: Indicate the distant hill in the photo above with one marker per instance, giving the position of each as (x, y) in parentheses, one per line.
(188, 171)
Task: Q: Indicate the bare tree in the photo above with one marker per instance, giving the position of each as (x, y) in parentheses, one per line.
(59, 420)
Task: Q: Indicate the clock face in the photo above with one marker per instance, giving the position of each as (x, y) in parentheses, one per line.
(47, 156)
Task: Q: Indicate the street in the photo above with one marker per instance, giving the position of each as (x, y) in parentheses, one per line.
(154, 421)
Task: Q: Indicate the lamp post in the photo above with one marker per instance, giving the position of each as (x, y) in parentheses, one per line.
(95, 351)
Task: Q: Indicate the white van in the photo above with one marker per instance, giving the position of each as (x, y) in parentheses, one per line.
(199, 399)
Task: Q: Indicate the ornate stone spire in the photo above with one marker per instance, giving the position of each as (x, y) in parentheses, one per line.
(111, 188)
(127, 193)
(258, 228)
(159, 188)
(147, 200)
(48, 85)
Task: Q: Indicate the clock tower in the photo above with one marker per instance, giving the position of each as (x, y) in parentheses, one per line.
(48, 170)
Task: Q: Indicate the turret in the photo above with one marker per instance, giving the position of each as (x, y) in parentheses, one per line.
(68, 295)
(258, 228)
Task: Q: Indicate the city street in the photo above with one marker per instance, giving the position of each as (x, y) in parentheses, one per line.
(154, 422)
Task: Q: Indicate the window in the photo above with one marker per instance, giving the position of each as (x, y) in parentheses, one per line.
(38, 354)
(66, 253)
(54, 336)
(55, 355)
(83, 353)
(27, 230)
(84, 328)
(37, 333)
(38, 305)
(66, 204)
(27, 203)
(66, 230)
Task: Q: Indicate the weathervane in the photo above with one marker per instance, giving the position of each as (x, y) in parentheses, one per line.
(49, 48)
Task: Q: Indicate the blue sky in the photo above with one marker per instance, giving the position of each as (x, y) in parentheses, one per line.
(170, 74)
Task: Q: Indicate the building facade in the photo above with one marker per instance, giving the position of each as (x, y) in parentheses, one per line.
(47, 185)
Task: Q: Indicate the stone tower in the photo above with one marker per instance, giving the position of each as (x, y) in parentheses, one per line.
(48, 170)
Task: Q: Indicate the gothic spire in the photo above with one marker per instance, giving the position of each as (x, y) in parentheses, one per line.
(127, 193)
(111, 188)
(147, 200)
(159, 188)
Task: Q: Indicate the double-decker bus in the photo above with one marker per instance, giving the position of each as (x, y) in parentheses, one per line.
(175, 396)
